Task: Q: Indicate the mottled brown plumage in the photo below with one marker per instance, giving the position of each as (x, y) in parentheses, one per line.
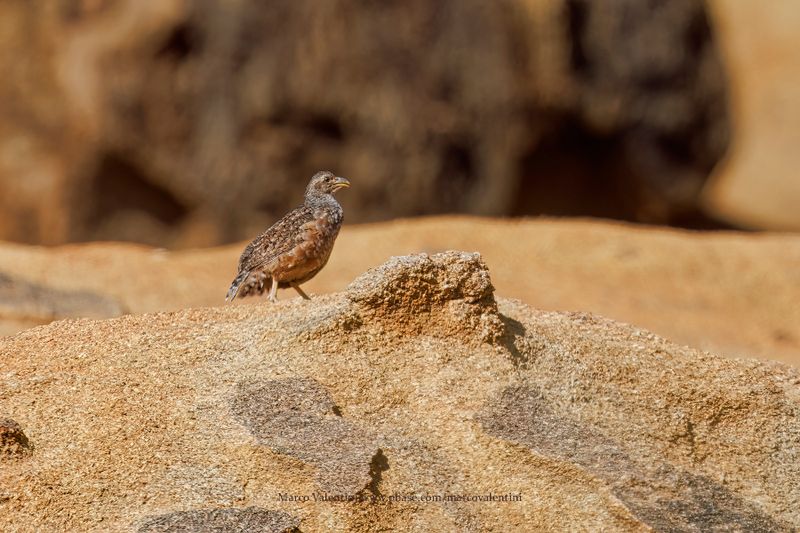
(296, 247)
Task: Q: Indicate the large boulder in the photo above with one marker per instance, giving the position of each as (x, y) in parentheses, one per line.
(184, 123)
(413, 400)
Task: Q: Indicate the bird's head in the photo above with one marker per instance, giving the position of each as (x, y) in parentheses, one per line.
(326, 182)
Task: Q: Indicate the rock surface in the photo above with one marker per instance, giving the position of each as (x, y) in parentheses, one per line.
(731, 293)
(379, 403)
(756, 185)
(191, 123)
(24, 304)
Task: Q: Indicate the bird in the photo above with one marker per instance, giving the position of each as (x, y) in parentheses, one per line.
(296, 247)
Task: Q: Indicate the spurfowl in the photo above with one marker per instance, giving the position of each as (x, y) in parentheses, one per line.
(296, 247)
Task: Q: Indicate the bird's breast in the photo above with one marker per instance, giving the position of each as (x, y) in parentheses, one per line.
(312, 251)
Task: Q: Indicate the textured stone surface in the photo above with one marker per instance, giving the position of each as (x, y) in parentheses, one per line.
(247, 520)
(188, 123)
(334, 415)
(453, 289)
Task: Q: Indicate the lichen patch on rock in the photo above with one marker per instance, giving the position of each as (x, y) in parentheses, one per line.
(298, 417)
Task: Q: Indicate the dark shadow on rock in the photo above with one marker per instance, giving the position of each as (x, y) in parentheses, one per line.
(377, 467)
(523, 348)
(513, 337)
(298, 417)
(658, 493)
(13, 442)
(246, 520)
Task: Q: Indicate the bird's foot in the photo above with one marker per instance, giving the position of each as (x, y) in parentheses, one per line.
(301, 292)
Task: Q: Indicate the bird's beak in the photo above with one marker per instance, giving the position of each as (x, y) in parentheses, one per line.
(340, 183)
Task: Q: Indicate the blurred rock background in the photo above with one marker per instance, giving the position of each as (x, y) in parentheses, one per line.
(758, 184)
(194, 122)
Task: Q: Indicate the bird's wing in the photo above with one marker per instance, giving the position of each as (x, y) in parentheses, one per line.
(279, 239)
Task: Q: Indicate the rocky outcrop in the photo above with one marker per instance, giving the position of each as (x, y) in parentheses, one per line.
(418, 293)
(385, 407)
(733, 294)
(188, 123)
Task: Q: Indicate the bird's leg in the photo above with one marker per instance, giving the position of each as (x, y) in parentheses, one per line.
(273, 289)
(298, 289)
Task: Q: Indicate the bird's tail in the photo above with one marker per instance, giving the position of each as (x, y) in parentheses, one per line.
(234, 290)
